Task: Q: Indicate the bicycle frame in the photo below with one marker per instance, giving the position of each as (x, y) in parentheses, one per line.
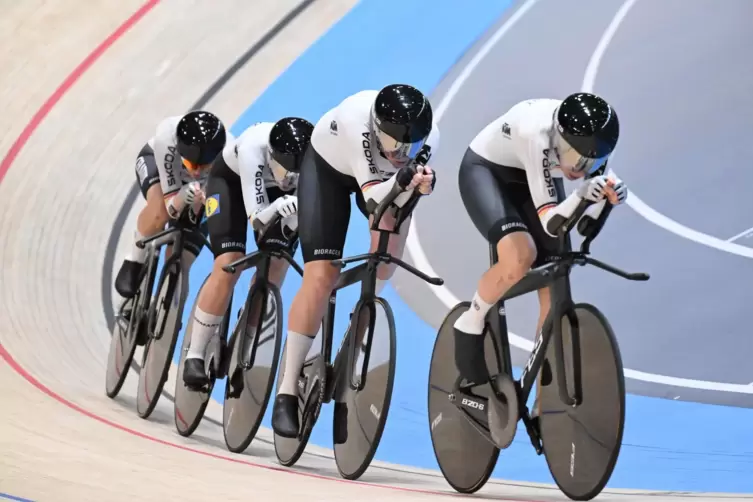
(174, 237)
(366, 274)
(556, 275)
(262, 261)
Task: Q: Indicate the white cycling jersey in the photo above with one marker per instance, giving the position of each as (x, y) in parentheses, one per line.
(248, 157)
(343, 137)
(521, 138)
(172, 174)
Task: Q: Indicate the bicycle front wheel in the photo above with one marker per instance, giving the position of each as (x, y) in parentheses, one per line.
(254, 356)
(582, 443)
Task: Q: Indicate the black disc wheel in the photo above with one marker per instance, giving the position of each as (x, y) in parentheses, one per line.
(582, 443)
(465, 457)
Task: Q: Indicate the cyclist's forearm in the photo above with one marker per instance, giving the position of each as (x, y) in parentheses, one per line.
(174, 206)
(552, 219)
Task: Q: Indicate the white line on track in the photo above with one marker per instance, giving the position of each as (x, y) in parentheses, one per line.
(745, 233)
(633, 200)
(443, 293)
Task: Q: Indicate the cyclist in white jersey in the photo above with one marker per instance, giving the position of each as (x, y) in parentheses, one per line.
(255, 178)
(363, 145)
(511, 185)
(171, 170)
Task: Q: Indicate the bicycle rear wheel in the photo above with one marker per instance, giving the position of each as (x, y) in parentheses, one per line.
(465, 457)
(582, 443)
(363, 396)
(255, 353)
(163, 325)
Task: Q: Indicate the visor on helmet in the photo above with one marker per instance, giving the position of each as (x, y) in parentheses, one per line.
(281, 175)
(195, 169)
(570, 157)
(397, 152)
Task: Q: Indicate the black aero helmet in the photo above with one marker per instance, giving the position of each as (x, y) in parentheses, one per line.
(588, 125)
(288, 140)
(402, 120)
(201, 138)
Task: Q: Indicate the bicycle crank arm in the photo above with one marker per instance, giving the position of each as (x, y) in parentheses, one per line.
(532, 428)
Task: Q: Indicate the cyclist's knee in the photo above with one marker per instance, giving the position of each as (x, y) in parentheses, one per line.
(319, 278)
(221, 278)
(516, 252)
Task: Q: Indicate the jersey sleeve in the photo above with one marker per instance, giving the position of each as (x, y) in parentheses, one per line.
(251, 165)
(166, 156)
(534, 156)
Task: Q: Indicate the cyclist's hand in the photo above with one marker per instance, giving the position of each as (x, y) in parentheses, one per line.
(189, 193)
(289, 225)
(287, 205)
(422, 179)
(429, 179)
(200, 198)
(593, 189)
(616, 192)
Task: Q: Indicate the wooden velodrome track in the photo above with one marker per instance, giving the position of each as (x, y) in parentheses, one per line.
(83, 84)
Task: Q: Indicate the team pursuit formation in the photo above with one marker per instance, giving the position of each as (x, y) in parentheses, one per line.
(292, 181)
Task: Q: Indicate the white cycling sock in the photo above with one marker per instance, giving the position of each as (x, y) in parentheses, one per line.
(297, 347)
(204, 326)
(472, 320)
(137, 254)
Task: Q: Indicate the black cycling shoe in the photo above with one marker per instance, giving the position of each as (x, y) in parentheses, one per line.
(127, 281)
(194, 375)
(470, 358)
(285, 416)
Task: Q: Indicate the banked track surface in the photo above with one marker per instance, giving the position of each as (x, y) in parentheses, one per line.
(63, 186)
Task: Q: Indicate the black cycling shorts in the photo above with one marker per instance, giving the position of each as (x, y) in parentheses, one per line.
(146, 169)
(226, 215)
(324, 207)
(147, 175)
(499, 203)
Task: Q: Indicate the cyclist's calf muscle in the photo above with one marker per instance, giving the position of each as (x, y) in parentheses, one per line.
(308, 306)
(216, 293)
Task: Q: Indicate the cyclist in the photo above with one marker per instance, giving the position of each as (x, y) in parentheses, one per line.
(363, 145)
(171, 170)
(511, 185)
(254, 178)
